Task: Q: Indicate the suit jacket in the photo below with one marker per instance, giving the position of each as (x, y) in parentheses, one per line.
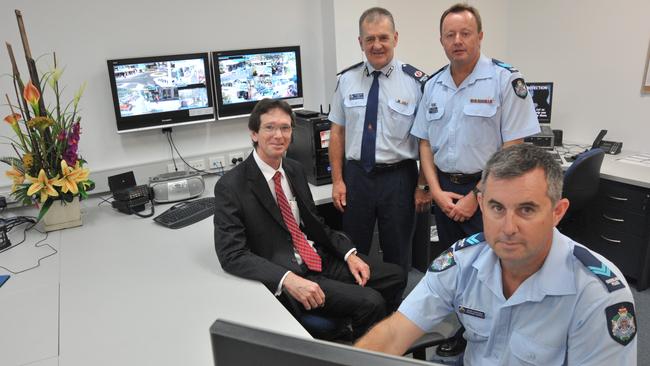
(250, 236)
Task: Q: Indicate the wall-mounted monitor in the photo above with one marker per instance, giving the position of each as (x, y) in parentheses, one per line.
(243, 77)
(161, 91)
(542, 95)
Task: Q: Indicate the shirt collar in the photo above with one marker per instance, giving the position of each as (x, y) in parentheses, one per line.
(267, 171)
(386, 70)
(482, 70)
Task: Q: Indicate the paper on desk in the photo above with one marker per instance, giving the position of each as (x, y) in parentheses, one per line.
(637, 159)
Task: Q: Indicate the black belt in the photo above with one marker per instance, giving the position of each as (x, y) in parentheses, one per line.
(460, 178)
(382, 168)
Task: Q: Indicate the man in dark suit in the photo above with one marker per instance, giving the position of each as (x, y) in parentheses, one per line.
(267, 229)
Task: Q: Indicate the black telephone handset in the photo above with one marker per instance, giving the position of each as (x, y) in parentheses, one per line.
(599, 139)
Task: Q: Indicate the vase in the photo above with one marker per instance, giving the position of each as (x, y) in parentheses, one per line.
(62, 215)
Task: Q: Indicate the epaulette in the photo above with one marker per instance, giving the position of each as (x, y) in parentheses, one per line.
(349, 68)
(469, 241)
(432, 75)
(415, 73)
(505, 65)
(598, 268)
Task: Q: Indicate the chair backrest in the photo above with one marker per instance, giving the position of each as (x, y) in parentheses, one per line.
(582, 178)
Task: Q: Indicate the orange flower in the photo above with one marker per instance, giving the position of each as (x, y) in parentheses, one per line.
(32, 96)
(12, 119)
(42, 185)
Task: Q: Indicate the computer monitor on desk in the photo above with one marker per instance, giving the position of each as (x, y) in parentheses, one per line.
(236, 345)
(542, 95)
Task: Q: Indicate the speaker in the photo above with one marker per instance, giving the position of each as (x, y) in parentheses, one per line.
(557, 140)
(176, 188)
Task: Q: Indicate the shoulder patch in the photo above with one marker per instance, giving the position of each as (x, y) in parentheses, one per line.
(598, 268)
(350, 68)
(621, 322)
(444, 261)
(415, 73)
(520, 88)
(470, 241)
(505, 65)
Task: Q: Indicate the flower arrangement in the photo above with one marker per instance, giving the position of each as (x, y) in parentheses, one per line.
(47, 166)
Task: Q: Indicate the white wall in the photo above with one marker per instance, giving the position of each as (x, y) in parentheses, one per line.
(87, 33)
(595, 52)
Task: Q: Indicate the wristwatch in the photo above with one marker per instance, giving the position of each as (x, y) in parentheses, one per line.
(423, 187)
(476, 191)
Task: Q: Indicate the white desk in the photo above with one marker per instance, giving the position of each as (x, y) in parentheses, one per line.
(125, 291)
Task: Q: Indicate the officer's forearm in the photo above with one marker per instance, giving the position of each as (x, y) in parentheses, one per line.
(337, 151)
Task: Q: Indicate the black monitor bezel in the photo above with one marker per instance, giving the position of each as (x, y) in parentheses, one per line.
(265, 347)
(165, 119)
(546, 120)
(245, 108)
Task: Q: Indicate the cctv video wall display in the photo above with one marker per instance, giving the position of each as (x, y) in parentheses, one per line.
(243, 77)
(164, 91)
(161, 91)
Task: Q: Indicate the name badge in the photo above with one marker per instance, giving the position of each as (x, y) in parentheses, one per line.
(356, 96)
(433, 108)
(402, 102)
(471, 312)
(481, 100)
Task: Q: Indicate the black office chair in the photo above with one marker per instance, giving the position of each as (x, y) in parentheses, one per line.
(581, 182)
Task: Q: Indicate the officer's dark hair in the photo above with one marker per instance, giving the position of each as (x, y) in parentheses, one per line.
(264, 106)
(373, 14)
(459, 8)
(515, 161)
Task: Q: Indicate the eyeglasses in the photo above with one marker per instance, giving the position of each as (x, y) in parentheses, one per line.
(270, 129)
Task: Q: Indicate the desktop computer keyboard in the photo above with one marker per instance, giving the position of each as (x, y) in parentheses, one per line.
(187, 213)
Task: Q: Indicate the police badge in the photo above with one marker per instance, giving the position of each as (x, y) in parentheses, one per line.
(519, 85)
(621, 323)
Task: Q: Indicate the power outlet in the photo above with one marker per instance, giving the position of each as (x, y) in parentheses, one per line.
(198, 164)
(175, 168)
(217, 162)
(235, 158)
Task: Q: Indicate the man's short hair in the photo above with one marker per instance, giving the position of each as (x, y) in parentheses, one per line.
(515, 161)
(373, 14)
(459, 8)
(264, 106)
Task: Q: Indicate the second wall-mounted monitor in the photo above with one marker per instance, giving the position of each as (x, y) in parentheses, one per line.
(161, 91)
(243, 77)
(542, 95)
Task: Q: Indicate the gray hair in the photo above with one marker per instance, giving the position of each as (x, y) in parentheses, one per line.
(373, 14)
(515, 161)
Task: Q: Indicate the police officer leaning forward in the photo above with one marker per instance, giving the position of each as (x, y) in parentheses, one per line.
(470, 109)
(527, 294)
(375, 102)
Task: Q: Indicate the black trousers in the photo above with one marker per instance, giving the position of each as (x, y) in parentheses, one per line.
(385, 197)
(450, 231)
(362, 306)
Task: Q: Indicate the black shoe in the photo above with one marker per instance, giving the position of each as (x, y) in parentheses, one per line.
(452, 347)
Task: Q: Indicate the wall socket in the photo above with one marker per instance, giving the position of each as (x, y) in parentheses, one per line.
(235, 158)
(198, 164)
(177, 168)
(217, 162)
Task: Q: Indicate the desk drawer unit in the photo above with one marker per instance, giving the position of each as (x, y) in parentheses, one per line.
(618, 228)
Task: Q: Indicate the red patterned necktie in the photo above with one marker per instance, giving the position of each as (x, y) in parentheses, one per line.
(307, 253)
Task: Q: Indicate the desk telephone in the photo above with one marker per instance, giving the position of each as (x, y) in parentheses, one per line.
(132, 200)
(610, 147)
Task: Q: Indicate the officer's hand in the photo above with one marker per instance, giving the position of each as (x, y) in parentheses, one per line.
(445, 201)
(465, 208)
(359, 269)
(338, 195)
(422, 200)
(307, 292)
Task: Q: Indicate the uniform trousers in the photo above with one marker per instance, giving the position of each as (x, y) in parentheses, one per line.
(384, 196)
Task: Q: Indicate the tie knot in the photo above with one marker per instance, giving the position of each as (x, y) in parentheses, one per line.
(277, 177)
(376, 73)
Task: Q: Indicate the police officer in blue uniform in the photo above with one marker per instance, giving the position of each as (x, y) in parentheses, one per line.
(470, 109)
(372, 154)
(527, 294)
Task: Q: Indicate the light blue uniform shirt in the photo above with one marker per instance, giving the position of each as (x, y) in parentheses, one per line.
(399, 95)
(556, 317)
(465, 125)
